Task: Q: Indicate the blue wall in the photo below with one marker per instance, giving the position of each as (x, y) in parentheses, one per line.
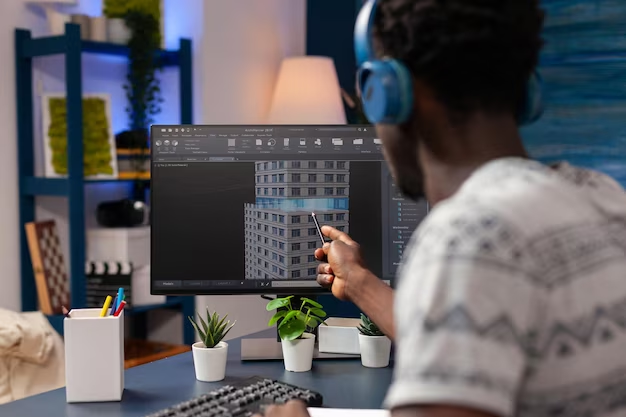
(584, 67)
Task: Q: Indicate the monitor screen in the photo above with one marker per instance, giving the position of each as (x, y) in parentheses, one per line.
(231, 206)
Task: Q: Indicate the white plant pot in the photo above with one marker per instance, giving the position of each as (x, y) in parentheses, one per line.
(210, 363)
(117, 31)
(98, 28)
(298, 354)
(375, 351)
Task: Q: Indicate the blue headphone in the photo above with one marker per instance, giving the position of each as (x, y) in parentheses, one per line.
(385, 85)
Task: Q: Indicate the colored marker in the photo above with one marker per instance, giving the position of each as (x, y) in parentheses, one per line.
(120, 308)
(120, 297)
(105, 307)
(113, 306)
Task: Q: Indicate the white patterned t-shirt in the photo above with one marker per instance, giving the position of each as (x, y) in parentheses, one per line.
(512, 296)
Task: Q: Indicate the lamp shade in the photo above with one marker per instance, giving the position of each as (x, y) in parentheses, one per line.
(307, 92)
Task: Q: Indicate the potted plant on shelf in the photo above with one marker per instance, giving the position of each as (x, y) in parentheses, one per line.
(209, 355)
(374, 345)
(295, 328)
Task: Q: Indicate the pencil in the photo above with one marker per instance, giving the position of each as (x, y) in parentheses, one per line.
(319, 229)
(105, 307)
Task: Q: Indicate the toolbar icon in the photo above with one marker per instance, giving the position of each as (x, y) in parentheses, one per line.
(302, 142)
(259, 142)
(271, 142)
(318, 142)
(231, 142)
(357, 142)
(337, 141)
(286, 141)
(378, 142)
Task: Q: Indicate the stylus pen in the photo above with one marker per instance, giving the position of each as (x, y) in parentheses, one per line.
(319, 229)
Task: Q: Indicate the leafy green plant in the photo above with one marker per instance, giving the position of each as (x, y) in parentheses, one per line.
(294, 323)
(213, 329)
(368, 328)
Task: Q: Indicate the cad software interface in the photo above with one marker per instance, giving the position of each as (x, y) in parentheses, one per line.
(231, 205)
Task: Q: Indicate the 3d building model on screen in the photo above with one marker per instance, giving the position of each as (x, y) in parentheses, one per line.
(280, 234)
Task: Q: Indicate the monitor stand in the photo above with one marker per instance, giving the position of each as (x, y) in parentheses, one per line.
(267, 349)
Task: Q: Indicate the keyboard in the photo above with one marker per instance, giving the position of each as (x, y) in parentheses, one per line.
(244, 398)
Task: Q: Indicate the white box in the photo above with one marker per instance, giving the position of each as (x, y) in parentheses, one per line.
(94, 356)
(341, 335)
(120, 245)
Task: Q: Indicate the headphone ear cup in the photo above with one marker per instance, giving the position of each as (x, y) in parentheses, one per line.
(533, 106)
(386, 92)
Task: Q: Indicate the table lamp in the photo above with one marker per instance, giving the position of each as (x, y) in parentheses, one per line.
(307, 92)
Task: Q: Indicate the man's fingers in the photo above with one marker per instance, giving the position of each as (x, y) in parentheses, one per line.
(320, 255)
(335, 234)
(323, 269)
(325, 280)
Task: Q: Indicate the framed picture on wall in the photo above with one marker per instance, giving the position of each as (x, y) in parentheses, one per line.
(99, 153)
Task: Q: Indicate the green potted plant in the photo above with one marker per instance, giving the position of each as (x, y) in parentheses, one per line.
(295, 328)
(374, 345)
(210, 353)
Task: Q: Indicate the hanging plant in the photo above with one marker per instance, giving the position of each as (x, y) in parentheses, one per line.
(143, 90)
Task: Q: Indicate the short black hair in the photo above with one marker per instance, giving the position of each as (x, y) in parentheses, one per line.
(474, 54)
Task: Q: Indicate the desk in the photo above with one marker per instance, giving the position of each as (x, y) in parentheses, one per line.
(157, 385)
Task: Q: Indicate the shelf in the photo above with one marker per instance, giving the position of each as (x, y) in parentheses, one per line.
(170, 303)
(55, 45)
(59, 187)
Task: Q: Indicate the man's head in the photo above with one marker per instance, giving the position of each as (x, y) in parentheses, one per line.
(469, 61)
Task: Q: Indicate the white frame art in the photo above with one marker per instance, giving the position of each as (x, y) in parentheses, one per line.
(46, 120)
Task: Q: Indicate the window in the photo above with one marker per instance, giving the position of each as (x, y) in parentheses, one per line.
(329, 164)
(265, 227)
(281, 177)
(341, 191)
(265, 240)
(258, 166)
(295, 219)
(341, 164)
(258, 238)
(259, 250)
(295, 274)
(267, 253)
(295, 164)
(281, 164)
(274, 217)
(266, 191)
(312, 191)
(311, 258)
(274, 230)
(295, 246)
(281, 272)
(281, 218)
(328, 177)
(281, 191)
(341, 217)
(295, 177)
(274, 191)
(258, 214)
(295, 191)
(312, 231)
(274, 177)
(295, 260)
(328, 191)
(265, 165)
(312, 177)
(274, 243)
(258, 178)
(341, 177)
(258, 190)
(274, 256)
(328, 217)
(266, 178)
(274, 269)
(312, 272)
(295, 233)
(281, 232)
(312, 245)
(259, 261)
(312, 164)
(266, 264)
(274, 165)
(281, 259)
(281, 245)
(266, 215)
(341, 228)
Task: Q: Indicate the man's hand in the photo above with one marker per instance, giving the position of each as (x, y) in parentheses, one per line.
(341, 262)
(291, 409)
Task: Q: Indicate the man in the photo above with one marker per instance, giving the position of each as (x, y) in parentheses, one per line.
(512, 296)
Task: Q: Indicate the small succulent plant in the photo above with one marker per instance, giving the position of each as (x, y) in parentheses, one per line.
(213, 329)
(368, 328)
(295, 322)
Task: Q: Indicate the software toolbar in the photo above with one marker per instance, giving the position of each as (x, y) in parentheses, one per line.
(228, 144)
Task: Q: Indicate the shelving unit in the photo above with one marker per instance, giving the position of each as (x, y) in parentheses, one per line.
(72, 47)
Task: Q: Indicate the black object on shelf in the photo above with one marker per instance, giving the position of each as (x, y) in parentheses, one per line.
(122, 213)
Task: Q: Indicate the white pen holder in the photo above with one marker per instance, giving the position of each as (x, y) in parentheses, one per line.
(94, 356)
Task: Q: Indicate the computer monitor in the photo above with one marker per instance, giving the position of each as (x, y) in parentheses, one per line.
(231, 206)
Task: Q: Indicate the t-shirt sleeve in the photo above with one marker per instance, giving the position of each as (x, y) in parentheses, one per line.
(465, 307)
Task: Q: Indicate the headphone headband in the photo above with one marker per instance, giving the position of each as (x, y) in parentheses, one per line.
(363, 33)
